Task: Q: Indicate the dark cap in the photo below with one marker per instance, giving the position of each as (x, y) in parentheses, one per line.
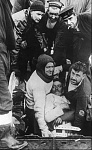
(55, 3)
(37, 6)
(67, 12)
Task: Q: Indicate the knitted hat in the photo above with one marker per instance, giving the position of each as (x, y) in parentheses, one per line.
(37, 6)
(55, 3)
(43, 60)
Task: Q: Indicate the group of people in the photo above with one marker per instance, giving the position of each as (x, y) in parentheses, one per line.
(52, 104)
(45, 40)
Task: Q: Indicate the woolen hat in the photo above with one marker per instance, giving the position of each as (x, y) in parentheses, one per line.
(42, 61)
(55, 3)
(37, 6)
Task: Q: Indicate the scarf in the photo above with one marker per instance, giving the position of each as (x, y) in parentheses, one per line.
(43, 60)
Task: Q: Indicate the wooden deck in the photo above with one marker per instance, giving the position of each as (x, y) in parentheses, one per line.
(55, 143)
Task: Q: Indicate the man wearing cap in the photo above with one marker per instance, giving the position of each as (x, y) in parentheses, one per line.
(80, 27)
(29, 41)
(50, 23)
(56, 32)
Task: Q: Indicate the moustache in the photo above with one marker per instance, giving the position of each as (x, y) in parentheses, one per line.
(73, 80)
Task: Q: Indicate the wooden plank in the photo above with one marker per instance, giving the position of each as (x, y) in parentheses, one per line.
(54, 144)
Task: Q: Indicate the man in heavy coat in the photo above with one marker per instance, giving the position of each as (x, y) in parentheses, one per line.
(29, 41)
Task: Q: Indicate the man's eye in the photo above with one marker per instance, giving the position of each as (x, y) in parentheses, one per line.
(72, 73)
(78, 75)
(53, 14)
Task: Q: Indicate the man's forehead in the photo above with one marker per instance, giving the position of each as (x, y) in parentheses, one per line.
(66, 19)
(76, 72)
(54, 9)
(37, 12)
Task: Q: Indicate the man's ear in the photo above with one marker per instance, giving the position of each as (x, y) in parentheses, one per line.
(84, 75)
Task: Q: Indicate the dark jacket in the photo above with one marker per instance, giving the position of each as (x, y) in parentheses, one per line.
(82, 39)
(32, 36)
(78, 99)
(57, 38)
(27, 31)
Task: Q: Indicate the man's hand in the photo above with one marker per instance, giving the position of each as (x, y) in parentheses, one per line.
(58, 121)
(64, 106)
(46, 133)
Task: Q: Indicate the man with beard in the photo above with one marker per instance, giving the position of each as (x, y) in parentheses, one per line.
(56, 33)
(75, 93)
(77, 96)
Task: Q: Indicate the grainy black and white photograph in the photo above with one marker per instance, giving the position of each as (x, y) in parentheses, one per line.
(45, 75)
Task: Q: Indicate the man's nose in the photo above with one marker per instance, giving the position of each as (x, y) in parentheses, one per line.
(53, 16)
(74, 77)
(40, 16)
(51, 69)
(56, 87)
(69, 22)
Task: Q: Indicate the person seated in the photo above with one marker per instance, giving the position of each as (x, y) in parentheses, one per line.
(55, 103)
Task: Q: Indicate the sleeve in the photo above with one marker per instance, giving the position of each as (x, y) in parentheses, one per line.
(80, 111)
(39, 108)
(59, 55)
(20, 24)
(85, 20)
(52, 112)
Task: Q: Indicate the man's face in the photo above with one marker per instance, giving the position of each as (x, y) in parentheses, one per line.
(49, 69)
(57, 88)
(76, 77)
(36, 16)
(53, 13)
(71, 21)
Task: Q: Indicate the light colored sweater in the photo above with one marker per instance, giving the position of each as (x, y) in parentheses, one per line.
(36, 91)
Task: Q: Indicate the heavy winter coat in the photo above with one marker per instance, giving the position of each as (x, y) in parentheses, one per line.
(57, 38)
